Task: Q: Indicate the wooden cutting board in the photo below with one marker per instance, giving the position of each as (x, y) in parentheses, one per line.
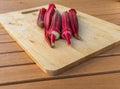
(97, 36)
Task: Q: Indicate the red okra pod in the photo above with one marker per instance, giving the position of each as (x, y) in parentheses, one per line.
(54, 31)
(48, 16)
(74, 23)
(40, 20)
(66, 29)
(47, 21)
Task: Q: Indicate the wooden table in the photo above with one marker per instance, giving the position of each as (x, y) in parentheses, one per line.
(18, 71)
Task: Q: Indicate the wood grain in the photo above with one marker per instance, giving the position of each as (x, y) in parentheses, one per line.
(114, 18)
(29, 73)
(5, 39)
(2, 30)
(93, 6)
(105, 81)
(112, 52)
(14, 59)
(19, 73)
(9, 47)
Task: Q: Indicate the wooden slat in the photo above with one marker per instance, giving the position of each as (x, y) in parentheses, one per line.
(114, 18)
(96, 65)
(14, 59)
(93, 7)
(20, 73)
(32, 72)
(101, 11)
(112, 52)
(106, 81)
(9, 47)
(5, 38)
(2, 30)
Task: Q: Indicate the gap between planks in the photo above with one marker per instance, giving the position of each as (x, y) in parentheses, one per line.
(31, 63)
(106, 81)
(60, 77)
(30, 73)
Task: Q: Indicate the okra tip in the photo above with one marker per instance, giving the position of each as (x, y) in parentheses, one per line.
(41, 24)
(52, 5)
(42, 10)
(67, 37)
(52, 40)
(72, 10)
(52, 45)
(77, 37)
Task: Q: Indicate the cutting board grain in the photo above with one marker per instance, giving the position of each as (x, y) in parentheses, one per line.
(97, 36)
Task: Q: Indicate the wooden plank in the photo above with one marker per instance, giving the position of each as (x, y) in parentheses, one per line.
(80, 50)
(2, 30)
(101, 11)
(9, 47)
(112, 52)
(114, 18)
(32, 72)
(14, 59)
(94, 66)
(5, 38)
(105, 81)
(20, 73)
(93, 7)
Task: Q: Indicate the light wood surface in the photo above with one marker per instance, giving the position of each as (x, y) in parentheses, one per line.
(97, 35)
(17, 60)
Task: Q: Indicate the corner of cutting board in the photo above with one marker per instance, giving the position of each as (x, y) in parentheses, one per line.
(58, 70)
(51, 71)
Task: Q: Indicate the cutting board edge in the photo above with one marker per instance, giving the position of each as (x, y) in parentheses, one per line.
(65, 68)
